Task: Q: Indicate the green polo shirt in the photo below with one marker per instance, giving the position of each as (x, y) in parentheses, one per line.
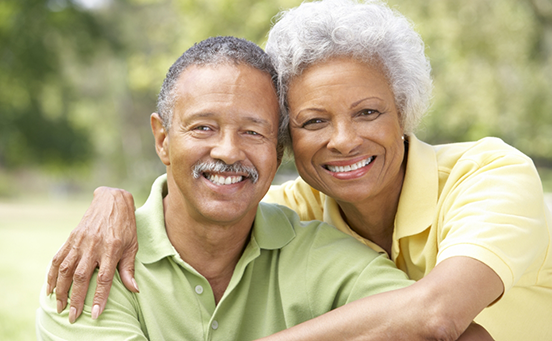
(290, 272)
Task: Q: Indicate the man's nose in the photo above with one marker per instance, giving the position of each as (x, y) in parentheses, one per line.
(228, 149)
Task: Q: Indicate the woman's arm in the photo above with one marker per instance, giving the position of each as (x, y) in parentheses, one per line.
(440, 306)
(105, 237)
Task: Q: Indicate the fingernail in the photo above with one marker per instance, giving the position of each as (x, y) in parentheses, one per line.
(135, 285)
(59, 306)
(48, 289)
(95, 311)
(72, 315)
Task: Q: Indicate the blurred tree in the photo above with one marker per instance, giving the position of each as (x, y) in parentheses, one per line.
(36, 38)
(492, 69)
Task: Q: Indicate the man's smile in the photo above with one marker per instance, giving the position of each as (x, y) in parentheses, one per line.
(218, 179)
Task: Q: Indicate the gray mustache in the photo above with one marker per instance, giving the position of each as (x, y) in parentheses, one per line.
(221, 167)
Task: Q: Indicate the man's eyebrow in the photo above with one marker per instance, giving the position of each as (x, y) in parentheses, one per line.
(253, 119)
(202, 115)
(257, 120)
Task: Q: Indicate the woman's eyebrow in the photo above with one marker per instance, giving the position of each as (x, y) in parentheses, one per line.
(354, 104)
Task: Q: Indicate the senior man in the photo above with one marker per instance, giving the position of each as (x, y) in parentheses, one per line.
(215, 263)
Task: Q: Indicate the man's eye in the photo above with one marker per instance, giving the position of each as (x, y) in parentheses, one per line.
(251, 132)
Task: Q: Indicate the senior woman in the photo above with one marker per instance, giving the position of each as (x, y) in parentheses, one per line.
(467, 220)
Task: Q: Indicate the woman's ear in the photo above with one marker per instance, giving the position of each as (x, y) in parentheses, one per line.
(161, 137)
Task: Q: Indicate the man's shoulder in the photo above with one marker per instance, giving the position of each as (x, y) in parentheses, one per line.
(312, 234)
(328, 268)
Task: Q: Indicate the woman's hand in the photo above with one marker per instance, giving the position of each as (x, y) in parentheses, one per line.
(105, 237)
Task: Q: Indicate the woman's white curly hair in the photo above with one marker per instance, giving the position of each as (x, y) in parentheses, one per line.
(368, 31)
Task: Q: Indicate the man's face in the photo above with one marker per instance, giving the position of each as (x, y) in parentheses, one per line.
(226, 114)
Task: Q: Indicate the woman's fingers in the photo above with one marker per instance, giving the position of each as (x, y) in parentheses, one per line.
(103, 284)
(126, 268)
(81, 281)
(54, 267)
(126, 264)
(105, 236)
(64, 279)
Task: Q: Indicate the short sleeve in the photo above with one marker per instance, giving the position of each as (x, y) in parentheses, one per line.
(494, 212)
(119, 321)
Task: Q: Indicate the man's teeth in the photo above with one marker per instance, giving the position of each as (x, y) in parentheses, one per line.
(349, 168)
(221, 180)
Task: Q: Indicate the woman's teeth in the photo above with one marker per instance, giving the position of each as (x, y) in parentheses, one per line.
(349, 168)
(221, 180)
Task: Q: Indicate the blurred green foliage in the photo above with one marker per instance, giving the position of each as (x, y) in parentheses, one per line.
(36, 126)
(79, 78)
(492, 66)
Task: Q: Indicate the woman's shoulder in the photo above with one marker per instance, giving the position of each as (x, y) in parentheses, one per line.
(481, 152)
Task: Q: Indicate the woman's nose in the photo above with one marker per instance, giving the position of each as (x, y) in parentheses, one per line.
(344, 139)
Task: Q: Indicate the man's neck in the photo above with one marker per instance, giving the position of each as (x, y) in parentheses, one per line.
(211, 249)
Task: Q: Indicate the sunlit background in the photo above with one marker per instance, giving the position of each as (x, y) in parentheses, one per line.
(79, 79)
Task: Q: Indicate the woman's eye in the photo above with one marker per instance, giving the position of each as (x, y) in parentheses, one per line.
(312, 123)
(202, 128)
(369, 114)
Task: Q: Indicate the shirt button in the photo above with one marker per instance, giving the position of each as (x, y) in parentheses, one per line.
(199, 289)
(214, 325)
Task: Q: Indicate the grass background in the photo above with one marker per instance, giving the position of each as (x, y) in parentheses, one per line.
(31, 231)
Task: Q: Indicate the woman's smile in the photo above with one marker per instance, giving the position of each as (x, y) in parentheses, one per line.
(349, 167)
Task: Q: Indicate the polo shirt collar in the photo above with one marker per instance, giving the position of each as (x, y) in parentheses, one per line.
(272, 228)
(154, 244)
(418, 200)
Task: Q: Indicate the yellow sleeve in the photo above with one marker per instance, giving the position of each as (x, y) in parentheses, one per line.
(494, 212)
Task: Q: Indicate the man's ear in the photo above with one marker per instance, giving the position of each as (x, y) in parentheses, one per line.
(161, 137)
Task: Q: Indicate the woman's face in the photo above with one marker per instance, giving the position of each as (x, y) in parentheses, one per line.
(346, 131)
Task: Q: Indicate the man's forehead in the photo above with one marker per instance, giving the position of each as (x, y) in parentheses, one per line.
(230, 87)
(211, 78)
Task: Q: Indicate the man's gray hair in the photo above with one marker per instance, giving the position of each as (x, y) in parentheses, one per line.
(211, 52)
(368, 31)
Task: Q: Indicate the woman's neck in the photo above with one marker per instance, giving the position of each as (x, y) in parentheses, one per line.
(374, 218)
(373, 223)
